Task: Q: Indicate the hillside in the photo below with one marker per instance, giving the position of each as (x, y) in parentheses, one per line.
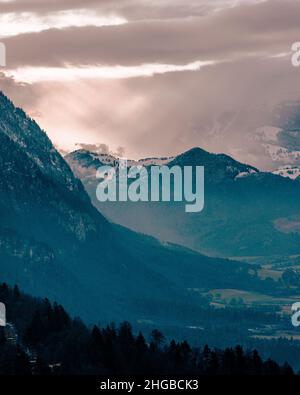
(243, 207)
(53, 241)
(42, 339)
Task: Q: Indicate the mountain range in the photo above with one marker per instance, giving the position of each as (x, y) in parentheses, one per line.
(247, 212)
(55, 243)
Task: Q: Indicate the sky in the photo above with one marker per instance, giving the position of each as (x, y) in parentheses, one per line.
(152, 77)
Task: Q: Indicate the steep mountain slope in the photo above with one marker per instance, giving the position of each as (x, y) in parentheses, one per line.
(53, 242)
(243, 208)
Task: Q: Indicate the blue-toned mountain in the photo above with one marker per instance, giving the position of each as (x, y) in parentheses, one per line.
(54, 242)
(247, 212)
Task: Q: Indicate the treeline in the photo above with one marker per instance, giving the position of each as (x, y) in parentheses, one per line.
(43, 339)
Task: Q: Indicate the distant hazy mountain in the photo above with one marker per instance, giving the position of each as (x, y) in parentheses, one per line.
(93, 160)
(53, 242)
(292, 172)
(280, 140)
(244, 208)
(265, 135)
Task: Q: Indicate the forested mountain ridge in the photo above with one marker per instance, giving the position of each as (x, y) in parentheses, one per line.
(42, 339)
(247, 212)
(54, 242)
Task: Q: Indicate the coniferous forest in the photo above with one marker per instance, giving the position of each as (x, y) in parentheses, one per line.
(40, 338)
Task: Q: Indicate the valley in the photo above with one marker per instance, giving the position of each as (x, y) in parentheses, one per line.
(54, 242)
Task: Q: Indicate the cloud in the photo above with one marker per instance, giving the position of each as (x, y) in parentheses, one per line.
(264, 29)
(36, 74)
(14, 24)
(101, 148)
(130, 9)
(25, 95)
(218, 107)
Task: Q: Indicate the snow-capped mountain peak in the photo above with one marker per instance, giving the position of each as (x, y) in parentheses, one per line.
(292, 172)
